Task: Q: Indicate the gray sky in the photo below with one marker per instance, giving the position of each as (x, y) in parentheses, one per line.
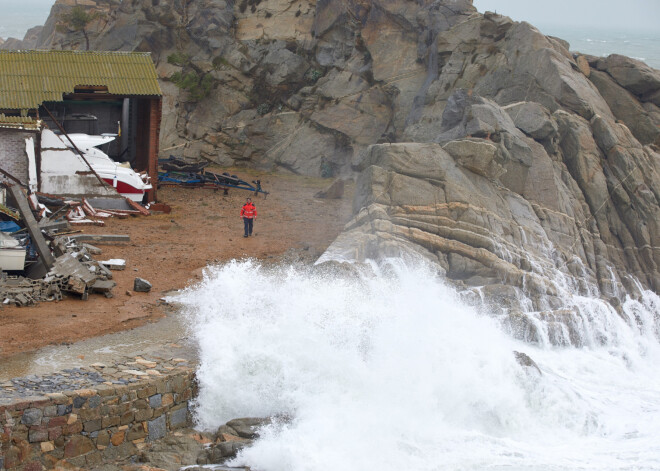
(615, 14)
(16, 16)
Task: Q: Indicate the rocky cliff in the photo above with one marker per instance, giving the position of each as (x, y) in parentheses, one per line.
(519, 167)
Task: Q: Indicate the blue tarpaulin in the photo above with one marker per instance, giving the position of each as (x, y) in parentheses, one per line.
(9, 226)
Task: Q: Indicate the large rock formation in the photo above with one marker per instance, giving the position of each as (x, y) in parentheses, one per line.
(29, 41)
(480, 143)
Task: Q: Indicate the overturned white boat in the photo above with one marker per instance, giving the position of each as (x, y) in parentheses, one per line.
(120, 175)
(59, 160)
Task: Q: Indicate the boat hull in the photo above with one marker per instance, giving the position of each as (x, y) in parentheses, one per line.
(125, 189)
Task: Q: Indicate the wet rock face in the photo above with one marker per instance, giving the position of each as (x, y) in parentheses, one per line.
(230, 438)
(502, 208)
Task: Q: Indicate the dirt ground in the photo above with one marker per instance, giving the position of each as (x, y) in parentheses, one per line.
(170, 251)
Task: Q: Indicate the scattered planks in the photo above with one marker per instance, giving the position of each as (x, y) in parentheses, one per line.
(82, 213)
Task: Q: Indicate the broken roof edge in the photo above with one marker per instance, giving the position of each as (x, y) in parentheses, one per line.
(25, 123)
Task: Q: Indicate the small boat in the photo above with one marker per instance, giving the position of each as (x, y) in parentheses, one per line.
(120, 175)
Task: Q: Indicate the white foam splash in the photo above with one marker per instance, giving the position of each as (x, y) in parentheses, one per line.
(390, 371)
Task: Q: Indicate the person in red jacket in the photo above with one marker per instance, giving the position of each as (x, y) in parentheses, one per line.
(249, 214)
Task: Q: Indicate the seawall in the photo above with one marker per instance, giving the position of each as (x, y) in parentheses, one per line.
(86, 416)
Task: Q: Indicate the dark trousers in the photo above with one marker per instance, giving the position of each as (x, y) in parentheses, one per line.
(248, 222)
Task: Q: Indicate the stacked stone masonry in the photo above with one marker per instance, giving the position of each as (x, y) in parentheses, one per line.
(123, 411)
(12, 151)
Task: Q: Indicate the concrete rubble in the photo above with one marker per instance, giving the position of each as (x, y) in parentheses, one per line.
(74, 271)
(115, 264)
(64, 263)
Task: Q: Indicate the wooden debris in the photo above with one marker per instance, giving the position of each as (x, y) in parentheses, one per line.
(33, 228)
(139, 208)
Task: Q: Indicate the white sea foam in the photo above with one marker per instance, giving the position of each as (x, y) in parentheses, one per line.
(389, 371)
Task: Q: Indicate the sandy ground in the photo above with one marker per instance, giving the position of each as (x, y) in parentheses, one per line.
(170, 251)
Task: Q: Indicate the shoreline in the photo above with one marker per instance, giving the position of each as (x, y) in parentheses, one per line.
(94, 399)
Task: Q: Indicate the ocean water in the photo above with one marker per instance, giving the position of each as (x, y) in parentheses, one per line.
(640, 45)
(387, 369)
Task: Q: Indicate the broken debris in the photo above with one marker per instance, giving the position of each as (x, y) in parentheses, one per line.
(92, 249)
(115, 264)
(141, 285)
(58, 262)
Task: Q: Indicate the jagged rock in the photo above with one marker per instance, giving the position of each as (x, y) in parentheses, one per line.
(247, 427)
(224, 430)
(373, 79)
(29, 41)
(180, 448)
(583, 64)
(477, 156)
(343, 270)
(283, 66)
(141, 286)
(309, 151)
(532, 119)
(276, 19)
(219, 452)
(363, 118)
(340, 84)
(551, 202)
(627, 109)
(526, 361)
(631, 74)
(334, 191)
(470, 115)
(521, 327)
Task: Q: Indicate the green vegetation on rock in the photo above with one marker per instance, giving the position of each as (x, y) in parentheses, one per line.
(77, 19)
(198, 84)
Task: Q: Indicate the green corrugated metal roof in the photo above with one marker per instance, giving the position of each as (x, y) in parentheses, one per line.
(29, 78)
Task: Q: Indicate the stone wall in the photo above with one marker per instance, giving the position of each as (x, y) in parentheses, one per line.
(13, 158)
(84, 427)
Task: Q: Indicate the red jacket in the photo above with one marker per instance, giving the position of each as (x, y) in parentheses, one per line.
(249, 211)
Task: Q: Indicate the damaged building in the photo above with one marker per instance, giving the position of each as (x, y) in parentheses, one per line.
(80, 130)
(76, 122)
